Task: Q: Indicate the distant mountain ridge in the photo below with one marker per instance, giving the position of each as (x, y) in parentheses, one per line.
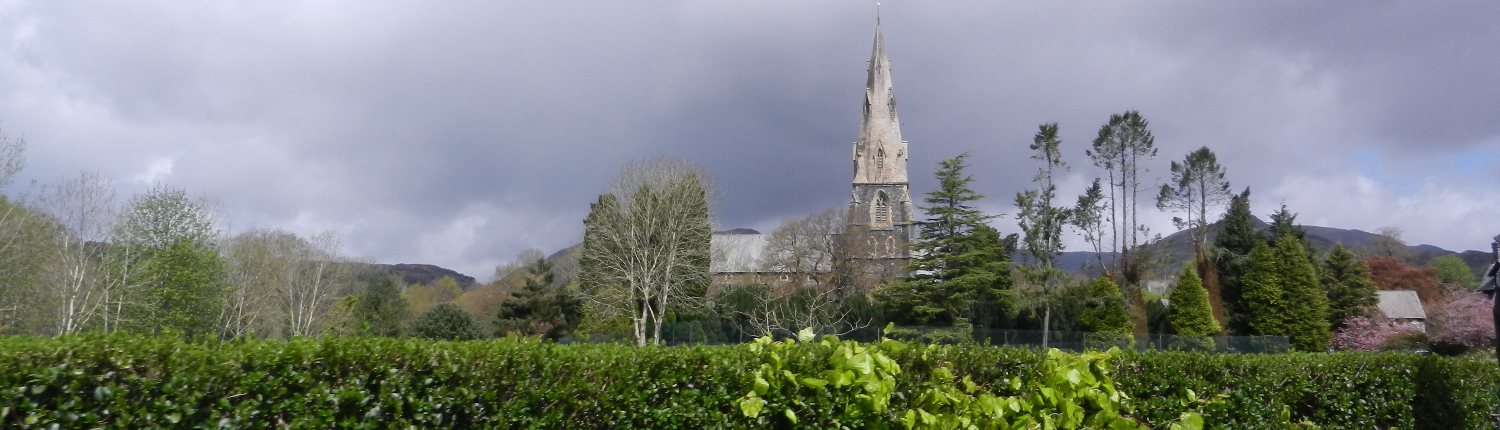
(425, 274)
(1177, 248)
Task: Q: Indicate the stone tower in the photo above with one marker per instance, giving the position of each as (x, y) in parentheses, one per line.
(880, 208)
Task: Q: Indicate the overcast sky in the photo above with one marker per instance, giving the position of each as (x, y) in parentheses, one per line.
(462, 133)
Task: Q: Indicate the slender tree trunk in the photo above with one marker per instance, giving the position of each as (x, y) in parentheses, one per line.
(1046, 324)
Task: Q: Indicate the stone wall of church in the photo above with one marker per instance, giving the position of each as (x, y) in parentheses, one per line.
(881, 216)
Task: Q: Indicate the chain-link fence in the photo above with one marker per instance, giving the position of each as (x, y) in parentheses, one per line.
(728, 333)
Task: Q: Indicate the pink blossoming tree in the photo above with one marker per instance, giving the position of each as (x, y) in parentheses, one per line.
(1465, 320)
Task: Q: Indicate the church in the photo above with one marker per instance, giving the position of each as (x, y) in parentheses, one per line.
(881, 218)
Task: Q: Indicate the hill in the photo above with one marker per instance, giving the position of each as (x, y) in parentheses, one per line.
(425, 274)
(1169, 253)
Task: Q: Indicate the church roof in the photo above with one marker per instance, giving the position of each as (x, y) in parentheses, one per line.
(746, 253)
(736, 253)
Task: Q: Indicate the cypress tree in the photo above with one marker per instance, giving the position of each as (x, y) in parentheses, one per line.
(1346, 279)
(1236, 238)
(1106, 311)
(1190, 313)
(1283, 295)
(1305, 301)
(1261, 294)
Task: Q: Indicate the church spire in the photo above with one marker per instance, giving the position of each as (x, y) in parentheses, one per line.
(880, 154)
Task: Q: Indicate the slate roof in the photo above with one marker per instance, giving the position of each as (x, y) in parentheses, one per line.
(1403, 304)
(1489, 284)
(736, 253)
(744, 253)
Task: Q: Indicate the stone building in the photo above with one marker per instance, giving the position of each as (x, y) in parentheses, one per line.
(881, 224)
(880, 209)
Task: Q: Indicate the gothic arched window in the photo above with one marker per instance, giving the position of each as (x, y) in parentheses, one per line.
(882, 210)
(879, 160)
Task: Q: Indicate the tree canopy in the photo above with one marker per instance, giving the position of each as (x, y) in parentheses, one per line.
(961, 271)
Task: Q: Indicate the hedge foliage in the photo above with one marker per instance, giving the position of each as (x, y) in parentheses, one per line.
(146, 382)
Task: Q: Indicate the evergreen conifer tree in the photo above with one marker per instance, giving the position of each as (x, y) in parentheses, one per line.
(1236, 238)
(959, 267)
(1190, 313)
(1284, 296)
(1347, 281)
(1261, 294)
(1306, 303)
(1106, 311)
(382, 309)
(1284, 223)
(539, 308)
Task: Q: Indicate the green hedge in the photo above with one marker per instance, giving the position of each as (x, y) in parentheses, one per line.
(1342, 390)
(143, 382)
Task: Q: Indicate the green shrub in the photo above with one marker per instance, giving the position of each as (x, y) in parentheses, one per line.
(1410, 340)
(445, 321)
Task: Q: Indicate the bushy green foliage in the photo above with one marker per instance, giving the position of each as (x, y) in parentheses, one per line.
(182, 284)
(185, 289)
(1190, 314)
(1283, 224)
(381, 309)
(1261, 295)
(1071, 391)
(1347, 282)
(1453, 270)
(446, 321)
(1306, 302)
(1343, 390)
(365, 382)
(1105, 312)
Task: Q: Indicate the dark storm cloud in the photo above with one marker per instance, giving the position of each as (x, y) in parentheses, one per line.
(462, 133)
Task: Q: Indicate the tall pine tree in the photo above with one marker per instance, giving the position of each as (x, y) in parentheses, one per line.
(960, 270)
(1347, 281)
(1237, 237)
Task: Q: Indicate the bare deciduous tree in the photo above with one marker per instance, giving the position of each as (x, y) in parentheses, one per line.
(252, 268)
(283, 284)
(1388, 243)
(318, 277)
(805, 249)
(76, 284)
(814, 308)
(646, 244)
